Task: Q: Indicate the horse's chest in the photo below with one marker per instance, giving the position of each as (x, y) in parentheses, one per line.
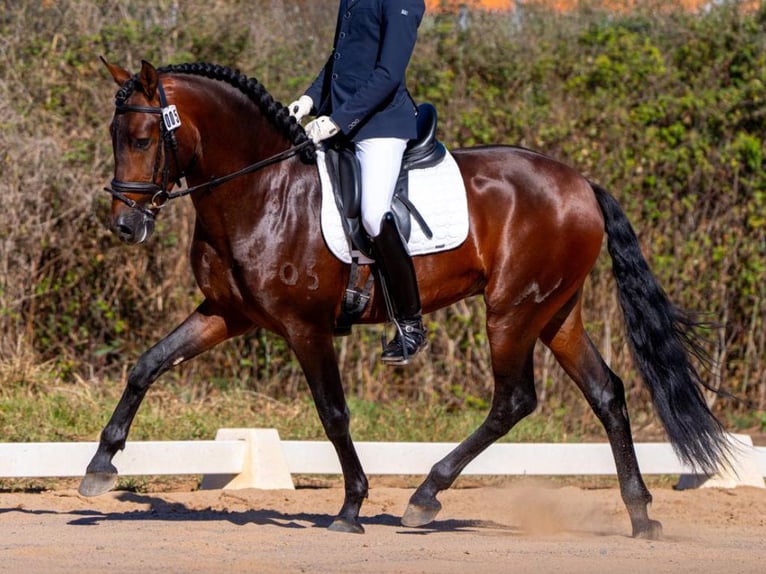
(214, 274)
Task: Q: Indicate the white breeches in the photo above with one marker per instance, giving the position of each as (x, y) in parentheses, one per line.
(380, 160)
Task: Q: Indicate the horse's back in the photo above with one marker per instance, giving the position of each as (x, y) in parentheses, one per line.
(527, 185)
(512, 190)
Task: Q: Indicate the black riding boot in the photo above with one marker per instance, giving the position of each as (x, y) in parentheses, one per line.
(400, 287)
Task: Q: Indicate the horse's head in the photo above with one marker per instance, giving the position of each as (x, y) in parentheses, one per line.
(156, 144)
(145, 152)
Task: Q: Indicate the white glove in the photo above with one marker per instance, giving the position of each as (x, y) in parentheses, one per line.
(301, 107)
(321, 129)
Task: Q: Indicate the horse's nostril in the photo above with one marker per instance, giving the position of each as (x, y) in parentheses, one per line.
(124, 232)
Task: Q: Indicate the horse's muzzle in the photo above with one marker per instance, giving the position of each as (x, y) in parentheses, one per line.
(133, 227)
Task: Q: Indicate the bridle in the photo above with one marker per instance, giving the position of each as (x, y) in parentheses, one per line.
(161, 194)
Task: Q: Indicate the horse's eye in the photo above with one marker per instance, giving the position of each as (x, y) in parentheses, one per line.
(142, 143)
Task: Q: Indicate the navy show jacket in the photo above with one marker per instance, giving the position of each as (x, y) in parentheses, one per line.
(362, 85)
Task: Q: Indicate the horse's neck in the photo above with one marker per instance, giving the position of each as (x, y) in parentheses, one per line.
(231, 134)
(232, 131)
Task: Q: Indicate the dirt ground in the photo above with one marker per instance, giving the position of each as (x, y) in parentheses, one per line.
(519, 526)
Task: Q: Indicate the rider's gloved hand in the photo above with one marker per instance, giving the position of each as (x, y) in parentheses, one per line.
(301, 107)
(321, 129)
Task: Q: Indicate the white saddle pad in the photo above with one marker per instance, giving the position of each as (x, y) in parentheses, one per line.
(437, 192)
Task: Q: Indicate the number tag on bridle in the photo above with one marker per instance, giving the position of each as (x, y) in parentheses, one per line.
(171, 118)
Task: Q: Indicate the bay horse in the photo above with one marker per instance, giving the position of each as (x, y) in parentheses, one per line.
(535, 231)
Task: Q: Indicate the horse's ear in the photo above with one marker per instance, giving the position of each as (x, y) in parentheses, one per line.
(120, 75)
(149, 79)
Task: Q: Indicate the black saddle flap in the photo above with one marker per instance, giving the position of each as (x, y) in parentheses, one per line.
(349, 179)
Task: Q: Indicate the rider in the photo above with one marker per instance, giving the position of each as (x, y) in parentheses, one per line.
(361, 94)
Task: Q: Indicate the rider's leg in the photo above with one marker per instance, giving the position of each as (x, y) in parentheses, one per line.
(380, 161)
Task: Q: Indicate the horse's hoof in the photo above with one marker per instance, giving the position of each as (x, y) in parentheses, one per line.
(653, 531)
(95, 483)
(417, 515)
(343, 525)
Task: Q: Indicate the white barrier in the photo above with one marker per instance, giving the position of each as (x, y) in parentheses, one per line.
(257, 458)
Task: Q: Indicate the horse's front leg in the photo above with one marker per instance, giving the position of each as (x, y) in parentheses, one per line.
(316, 355)
(201, 331)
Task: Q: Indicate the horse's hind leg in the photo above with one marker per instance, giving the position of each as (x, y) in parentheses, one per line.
(605, 393)
(514, 398)
(199, 332)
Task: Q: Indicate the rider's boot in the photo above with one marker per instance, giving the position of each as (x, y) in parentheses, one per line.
(396, 274)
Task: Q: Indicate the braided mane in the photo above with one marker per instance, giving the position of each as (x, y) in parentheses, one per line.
(273, 111)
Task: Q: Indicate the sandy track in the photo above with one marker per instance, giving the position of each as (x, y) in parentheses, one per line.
(522, 527)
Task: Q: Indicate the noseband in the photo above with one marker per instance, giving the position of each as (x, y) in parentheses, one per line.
(169, 122)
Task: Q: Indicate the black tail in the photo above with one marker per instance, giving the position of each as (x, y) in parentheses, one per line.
(662, 340)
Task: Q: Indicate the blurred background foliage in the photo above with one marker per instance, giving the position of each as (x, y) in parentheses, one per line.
(665, 108)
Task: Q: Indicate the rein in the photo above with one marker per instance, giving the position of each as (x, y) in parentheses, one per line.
(281, 156)
(169, 122)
